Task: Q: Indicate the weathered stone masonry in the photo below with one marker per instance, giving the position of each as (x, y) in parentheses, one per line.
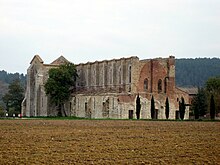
(108, 89)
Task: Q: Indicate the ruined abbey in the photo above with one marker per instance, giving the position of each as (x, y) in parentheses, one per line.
(109, 89)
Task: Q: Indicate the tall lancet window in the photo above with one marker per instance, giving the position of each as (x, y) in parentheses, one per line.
(119, 76)
(145, 84)
(159, 85)
(129, 74)
(165, 85)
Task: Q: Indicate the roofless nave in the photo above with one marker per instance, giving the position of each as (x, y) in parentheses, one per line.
(109, 88)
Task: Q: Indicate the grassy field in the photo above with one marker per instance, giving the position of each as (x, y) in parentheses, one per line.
(108, 142)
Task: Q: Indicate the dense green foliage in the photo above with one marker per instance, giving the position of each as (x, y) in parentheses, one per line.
(213, 88)
(212, 107)
(182, 108)
(199, 103)
(152, 108)
(14, 97)
(195, 72)
(167, 108)
(209, 95)
(138, 107)
(8, 78)
(213, 84)
(3, 91)
(2, 113)
(59, 84)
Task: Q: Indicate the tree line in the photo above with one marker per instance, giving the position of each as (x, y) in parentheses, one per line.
(195, 72)
(12, 99)
(8, 78)
(207, 100)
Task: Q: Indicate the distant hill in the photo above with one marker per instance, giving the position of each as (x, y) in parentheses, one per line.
(9, 77)
(195, 72)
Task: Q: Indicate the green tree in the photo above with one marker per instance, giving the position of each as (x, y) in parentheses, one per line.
(138, 107)
(6, 99)
(213, 88)
(2, 113)
(195, 107)
(152, 109)
(182, 108)
(213, 84)
(14, 97)
(212, 108)
(167, 108)
(199, 103)
(59, 85)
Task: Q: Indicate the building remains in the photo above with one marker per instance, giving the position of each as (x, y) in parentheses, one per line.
(109, 89)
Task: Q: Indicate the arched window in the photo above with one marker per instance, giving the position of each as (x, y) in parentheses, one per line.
(129, 72)
(165, 85)
(145, 84)
(110, 76)
(94, 77)
(159, 85)
(119, 77)
(129, 79)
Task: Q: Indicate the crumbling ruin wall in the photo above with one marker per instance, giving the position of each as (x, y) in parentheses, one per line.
(108, 89)
(118, 106)
(95, 106)
(104, 76)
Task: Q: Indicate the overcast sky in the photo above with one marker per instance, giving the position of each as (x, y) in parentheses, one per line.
(90, 30)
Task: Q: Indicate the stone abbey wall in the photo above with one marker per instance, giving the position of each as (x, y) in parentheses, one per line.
(108, 89)
(103, 76)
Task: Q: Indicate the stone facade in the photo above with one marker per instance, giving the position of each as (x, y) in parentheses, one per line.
(109, 88)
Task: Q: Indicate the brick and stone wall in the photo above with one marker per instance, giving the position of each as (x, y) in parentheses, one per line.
(108, 89)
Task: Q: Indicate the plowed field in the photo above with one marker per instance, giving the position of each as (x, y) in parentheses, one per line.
(108, 142)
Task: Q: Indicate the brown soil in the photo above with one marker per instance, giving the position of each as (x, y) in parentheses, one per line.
(108, 142)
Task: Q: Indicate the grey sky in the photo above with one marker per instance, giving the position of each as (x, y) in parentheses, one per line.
(90, 30)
